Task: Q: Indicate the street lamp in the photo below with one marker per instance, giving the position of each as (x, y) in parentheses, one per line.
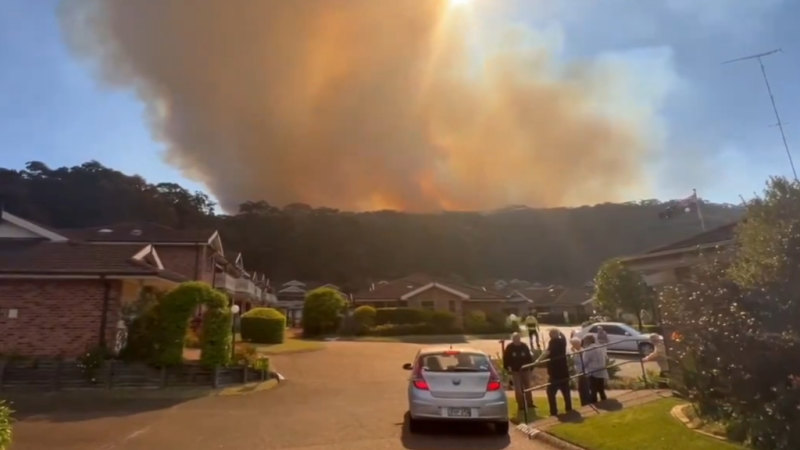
(234, 312)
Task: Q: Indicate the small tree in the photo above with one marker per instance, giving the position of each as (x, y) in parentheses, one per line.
(264, 326)
(364, 317)
(617, 287)
(322, 311)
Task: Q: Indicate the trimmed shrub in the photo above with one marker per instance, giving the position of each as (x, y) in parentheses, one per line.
(476, 322)
(322, 311)
(405, 329)
(143, 327)
(263, 325)
(5, 425)
(443, 322)
(402, 316)
(364, 316)
(173, 313)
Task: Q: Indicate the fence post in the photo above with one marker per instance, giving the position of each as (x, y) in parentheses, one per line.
(215, 377)
(110, 374)
(2, 372)
(57, 375)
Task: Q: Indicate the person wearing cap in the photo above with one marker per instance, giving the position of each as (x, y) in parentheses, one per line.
(659, 356)
(577, 362)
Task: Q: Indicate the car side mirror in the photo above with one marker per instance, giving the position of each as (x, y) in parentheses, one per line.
(407, 366)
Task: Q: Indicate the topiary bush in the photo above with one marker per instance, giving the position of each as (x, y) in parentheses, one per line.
(263, 325)
(476, 322)
(173, 313)
(322, 311)
(443, 322)
(364, 316)
(5, 425)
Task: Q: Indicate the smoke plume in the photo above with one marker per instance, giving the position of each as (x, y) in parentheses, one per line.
(364, 104)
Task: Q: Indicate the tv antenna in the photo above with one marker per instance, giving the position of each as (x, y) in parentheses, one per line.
(771, 98)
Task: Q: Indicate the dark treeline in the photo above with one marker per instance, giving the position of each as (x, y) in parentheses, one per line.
(555, 245)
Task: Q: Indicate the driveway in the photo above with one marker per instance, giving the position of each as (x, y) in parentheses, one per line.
(349, 396)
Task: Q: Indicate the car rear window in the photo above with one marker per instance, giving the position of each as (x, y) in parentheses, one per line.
(454, 362)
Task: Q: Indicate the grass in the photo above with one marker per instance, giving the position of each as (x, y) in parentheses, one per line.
(289, 345)
(541, 411)
(647, 426)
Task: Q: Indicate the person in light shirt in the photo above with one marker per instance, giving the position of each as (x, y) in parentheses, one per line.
(659, 356)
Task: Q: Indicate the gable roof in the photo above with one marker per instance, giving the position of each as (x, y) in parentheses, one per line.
(144, 232)
(31, 229)
(411, 285)
(722, 234)
(31, 257)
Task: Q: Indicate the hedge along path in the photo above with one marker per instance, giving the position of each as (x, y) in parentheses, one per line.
(263, 326)
(174, 312)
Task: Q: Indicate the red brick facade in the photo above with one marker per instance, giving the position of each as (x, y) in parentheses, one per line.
(55, 317)
(192, 261)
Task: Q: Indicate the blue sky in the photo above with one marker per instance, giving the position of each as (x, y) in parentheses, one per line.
(715, 119)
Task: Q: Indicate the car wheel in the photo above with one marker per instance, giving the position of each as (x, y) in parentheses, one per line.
(414, 425)
(646, 348)
(501, 428)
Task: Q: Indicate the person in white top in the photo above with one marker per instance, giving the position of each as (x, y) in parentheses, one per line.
(659, 356)
(583, 380)
(594, 362)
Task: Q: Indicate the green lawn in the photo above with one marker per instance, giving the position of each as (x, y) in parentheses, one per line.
(648, 426)
(289, 345)
(541, 411)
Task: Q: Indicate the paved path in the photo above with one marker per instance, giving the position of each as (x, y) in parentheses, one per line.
(348, 396)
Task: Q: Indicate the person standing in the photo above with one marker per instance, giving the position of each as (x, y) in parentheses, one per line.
(577, 362)
(595, 364)
(557, 371)
(532, 324)
(515, 356)
(659, 355)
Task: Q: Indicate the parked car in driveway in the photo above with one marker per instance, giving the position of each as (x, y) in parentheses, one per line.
(621, 337)
(448, 384)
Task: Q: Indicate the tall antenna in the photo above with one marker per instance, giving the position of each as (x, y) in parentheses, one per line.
(771, 98)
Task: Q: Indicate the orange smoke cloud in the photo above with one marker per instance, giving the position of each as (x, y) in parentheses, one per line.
(357, 104)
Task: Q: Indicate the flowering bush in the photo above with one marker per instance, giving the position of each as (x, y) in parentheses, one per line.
(5, 425)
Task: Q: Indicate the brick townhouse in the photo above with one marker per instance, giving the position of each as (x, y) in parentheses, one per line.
(62, 291)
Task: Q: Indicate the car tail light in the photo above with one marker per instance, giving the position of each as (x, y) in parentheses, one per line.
(494, 384)
(416, 377)
(451, 353)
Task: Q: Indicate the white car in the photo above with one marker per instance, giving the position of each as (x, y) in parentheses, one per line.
(621, 337)
(461, 384)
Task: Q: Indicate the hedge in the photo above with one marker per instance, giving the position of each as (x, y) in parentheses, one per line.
(5, 425)
(405, 329)
(402, 316)
(263, 325)
(365, 316)
(322, 311)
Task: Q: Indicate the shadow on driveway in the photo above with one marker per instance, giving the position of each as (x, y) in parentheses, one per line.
(435, 436)
(76, 406)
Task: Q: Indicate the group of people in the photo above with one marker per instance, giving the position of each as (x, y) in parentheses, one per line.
(588, 358)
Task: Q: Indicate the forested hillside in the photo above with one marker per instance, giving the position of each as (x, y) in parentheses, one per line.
(563, 245)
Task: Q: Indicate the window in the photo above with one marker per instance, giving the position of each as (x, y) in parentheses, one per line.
(454, 361)
(427, 305)
(615, 330)
(593, 329)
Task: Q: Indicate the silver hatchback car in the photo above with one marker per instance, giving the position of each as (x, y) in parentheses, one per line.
(461, 384)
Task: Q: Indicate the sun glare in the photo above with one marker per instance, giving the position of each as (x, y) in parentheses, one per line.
(455, 3)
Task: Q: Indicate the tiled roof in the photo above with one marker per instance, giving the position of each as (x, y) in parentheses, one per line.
(30, 256)
(395, 289)
(138, 232)
(719, 234)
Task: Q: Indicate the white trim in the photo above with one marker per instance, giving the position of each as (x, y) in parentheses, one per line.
(32, 227)
(216, 236)
(158, 259)
(428, 286)
(149, 250)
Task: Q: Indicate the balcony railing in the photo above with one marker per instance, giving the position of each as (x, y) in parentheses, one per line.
(245, 286)
(225, 281)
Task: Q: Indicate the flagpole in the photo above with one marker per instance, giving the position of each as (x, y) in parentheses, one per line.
(699, 212)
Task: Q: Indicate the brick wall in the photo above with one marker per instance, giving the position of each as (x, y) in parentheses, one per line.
(187, 260)
(55, 317)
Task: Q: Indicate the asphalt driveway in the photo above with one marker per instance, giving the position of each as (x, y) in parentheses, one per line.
(349, 396)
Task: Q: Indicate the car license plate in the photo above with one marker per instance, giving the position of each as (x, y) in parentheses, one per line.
(459, 412)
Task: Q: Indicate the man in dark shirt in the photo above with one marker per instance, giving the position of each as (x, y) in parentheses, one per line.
(516, 355)
(557, 371)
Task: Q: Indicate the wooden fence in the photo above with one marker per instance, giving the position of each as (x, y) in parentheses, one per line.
(57, 374)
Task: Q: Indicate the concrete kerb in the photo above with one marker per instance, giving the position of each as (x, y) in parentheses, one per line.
(547, 438)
